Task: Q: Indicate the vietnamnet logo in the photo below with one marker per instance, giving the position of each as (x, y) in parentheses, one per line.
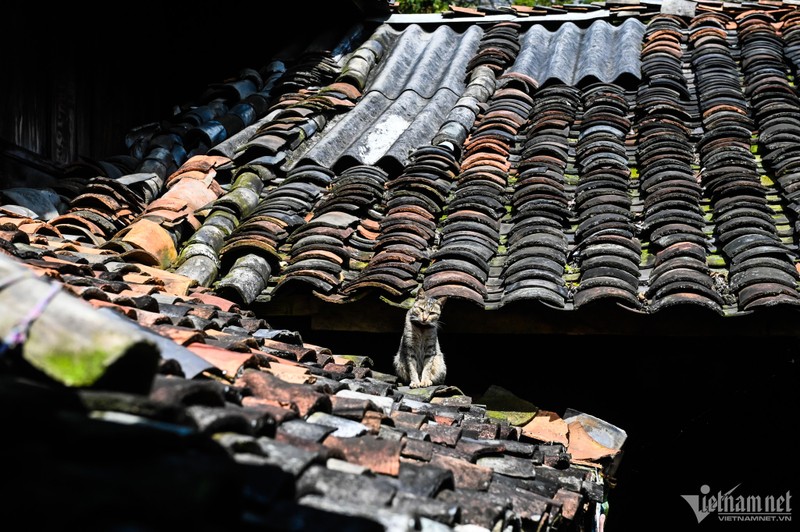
(736, 507)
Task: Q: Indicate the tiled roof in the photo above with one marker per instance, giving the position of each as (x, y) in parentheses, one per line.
(504, 162)
(143, 400)
(505, 159)
(533, 167)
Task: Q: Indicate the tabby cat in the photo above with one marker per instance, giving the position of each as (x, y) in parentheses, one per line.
(419, 361)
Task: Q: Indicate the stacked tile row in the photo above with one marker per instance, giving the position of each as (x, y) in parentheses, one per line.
(199, 256)
(327, 246)
(222, 111)
(744, 226)
(415, 200)
(470, 229)
(152, 239)
(498, 48)
(413, 203)
(250, 255)
(294, 118)
(606, 248)
(790, 33)
(673, 221)
(104, 207)
(537, 244)
(240, 249)
(776, 112)
(470, 233)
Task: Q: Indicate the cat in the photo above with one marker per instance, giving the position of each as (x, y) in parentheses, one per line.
(419, 362)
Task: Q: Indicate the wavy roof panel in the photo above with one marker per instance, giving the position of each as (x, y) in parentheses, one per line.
(576, 56)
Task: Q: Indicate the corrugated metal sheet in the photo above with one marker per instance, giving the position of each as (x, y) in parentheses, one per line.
(574, 56)
(406, 100)
(409, 94)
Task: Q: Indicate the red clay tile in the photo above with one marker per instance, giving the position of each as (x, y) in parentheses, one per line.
(380, 456)
(570, 502)
(418, 450)
(150, 319)
(408, 420)
(288, 395)
(338, 369)
(584, 447)
(229, 362)
(546, 427)
(181, 335)
(466, 475)
(278, 413)
(373, 420)
(290, 351)
(152, 239)
(445, 419)
(442, 434)
(350, 407)
(484, 431)
(125, 311)
(173, 283)
(195, 193)
(293, 374)
(226, 305)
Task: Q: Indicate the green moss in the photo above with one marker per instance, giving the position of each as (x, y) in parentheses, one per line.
(645, 257)
(634, 173)
(502, 404)
(767, 181)
(716, 261)
(75, 369)
(359, 360)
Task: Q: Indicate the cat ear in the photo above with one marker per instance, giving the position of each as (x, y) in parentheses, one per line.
(442, 300)
(420, 293)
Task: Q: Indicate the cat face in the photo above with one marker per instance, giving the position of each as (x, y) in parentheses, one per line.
(425, 310)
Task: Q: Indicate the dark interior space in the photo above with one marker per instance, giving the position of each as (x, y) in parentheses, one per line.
(78, 79)
(697, 410)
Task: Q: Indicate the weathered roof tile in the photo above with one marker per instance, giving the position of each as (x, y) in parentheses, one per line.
(380, 456)
(295, 396)
(465, 474)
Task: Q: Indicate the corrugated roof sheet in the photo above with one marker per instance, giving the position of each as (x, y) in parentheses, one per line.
(577, 56)
(405, 101)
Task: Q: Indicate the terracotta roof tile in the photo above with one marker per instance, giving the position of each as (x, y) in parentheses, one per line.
(294, 396)
(466, 475)
(378, 455)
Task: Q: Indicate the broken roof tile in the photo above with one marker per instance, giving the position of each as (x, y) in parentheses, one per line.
(294, 396)
(378, 455)
(466, 475)
(547, 427)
